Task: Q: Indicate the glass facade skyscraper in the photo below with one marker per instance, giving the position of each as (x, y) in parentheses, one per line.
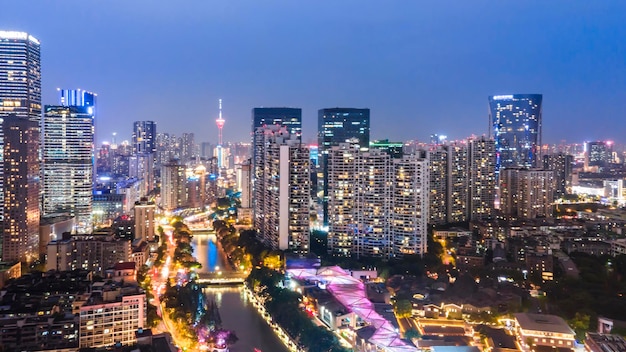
(67, 162)
(20, 75)
(144, 137)
(515, 125)
(334, 127)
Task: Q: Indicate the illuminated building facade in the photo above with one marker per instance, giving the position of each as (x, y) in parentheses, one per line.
(561, 164)
(515, 125)
(482, 178)
(145, 225)
(282, 189)
(144, 137)
(377, 205)
(112, 314)
(526, 193)
(598, 154)
(173, 192)
(68, 151)
(336, 126)
(20, 75)
(20, 235)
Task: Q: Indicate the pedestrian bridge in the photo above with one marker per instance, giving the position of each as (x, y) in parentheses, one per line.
(221, 278)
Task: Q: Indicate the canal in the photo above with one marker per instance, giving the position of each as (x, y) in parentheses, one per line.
(236, 311)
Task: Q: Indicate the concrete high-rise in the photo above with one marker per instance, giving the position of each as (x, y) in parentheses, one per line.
(144, 137)
(20, 75)
(145, 224)
(290, 118)
(20, 228)
(377, 204)
(526, 193)
(334, 127)
(173, 185)
(561, 164)
(515, 125)
(482, 178)
(68, 151)
(282, 189)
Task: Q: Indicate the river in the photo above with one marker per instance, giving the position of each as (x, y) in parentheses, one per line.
(236, 311)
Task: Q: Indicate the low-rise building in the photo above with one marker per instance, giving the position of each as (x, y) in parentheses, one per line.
(9, 271)
(595, 342)
(544, 330)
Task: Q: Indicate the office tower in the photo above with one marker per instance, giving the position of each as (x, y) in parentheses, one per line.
(20, 228)
(526, 193)
(395, 149)
(377, 205)
(339, 125)
(20, 75)
(144, 220)
(515, 125)
(77, 97)
(144, 137)
(482, 178)
(598, 155)
(173, 185)
(282, 189)
(68, 162)
(561, 164)
(104, 159)
(410, 205)
(336, 126)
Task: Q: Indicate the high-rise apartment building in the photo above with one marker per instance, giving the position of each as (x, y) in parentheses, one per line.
(515, 125)
(377, 205)
(20, 228)
(68, 151)
(410, 205)
(526, 193)
(334, 127)
(20, 75)
(282, 189)
(290, 118)
(141, 167)
(187, 148)
(561, 164)
(145, 224)
(173, 187)
(144, 137)
(482, 178)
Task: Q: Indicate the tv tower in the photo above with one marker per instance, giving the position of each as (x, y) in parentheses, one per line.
(220, 124)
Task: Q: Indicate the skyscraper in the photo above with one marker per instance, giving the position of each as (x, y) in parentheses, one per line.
(68, 151)
(290, 118)
(77, 97)
(20, 75)
(561, 164)
(20, 228)
(282, 190)
(377, 205)
(336, 126)
(482, 178)
(526, 193)
(144, 137)
(598, 154)
(173, 185)
(515, 125)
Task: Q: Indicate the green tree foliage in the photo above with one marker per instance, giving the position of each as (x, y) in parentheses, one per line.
(403, 308)
(412, 333)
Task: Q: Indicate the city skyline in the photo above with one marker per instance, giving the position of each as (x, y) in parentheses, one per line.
(403, 63)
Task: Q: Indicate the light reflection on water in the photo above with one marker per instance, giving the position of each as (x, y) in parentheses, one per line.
(237, 312)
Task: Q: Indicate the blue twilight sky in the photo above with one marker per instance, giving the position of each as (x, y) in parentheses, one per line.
(422, 67)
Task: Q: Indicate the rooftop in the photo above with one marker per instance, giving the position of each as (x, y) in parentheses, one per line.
(543, 322)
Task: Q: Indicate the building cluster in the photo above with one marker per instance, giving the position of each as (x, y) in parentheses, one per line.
(64, 311)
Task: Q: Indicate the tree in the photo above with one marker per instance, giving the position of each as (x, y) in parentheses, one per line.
(412, 333)
(403, 308)
(580, 324)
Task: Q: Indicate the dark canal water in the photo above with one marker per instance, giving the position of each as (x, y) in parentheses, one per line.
(237, 313)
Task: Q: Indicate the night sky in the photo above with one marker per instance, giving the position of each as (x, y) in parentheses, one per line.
(422, 67)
